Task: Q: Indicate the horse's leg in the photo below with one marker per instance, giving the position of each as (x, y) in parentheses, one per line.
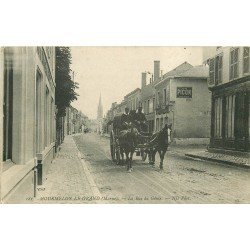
(150, 152)
(131, 158)
(163, 152)
(153, 156)
(127, 161)
(122, 156)
(161, 158)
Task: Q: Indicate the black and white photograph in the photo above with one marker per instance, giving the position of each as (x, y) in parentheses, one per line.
(125, 125)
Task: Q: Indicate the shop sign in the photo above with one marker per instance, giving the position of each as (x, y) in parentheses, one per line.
(184, 92)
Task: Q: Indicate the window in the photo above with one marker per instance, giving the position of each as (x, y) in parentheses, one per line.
(230, 107)
(148, 111)
(218, 118)
(7, 112)
(137, 102)
(246, 59)
(161, 123)
(158, 98)
(145, 107)
(153, 104)
(211, 71)
(234, 62)
(215, 70)
(150, 108)
(165, 96)
(218, 69)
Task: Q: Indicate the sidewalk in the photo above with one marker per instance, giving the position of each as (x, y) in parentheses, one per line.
(67, 180)
(229, 158)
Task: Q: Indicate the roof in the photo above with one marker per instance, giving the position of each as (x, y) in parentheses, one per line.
(132, 92)
(180, 69)
(195, 72)
(186, 70)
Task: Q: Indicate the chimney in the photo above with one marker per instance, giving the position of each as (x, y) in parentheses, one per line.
(156, 70)
(143, 79)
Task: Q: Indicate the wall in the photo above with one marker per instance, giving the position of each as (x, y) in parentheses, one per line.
(226, 62)
(26, 63)
(191, 115)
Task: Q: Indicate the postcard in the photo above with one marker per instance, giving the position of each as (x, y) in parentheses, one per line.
(125, 125)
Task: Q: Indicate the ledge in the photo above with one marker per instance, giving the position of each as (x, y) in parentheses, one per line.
(11, 177)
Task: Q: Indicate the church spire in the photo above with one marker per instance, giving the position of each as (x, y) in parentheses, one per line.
(100, 108)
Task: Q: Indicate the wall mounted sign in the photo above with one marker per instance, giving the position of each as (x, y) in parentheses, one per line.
(184, 92)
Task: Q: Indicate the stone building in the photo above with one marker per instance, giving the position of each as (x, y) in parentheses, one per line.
(132, 100)
(182, 99)
(28, 119)
(229, 81)
(119, 109)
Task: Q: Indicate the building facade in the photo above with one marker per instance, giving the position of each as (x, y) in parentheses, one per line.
(183, 100)
(28, 119)
(132, 100)
(179, 97)
(229, 81)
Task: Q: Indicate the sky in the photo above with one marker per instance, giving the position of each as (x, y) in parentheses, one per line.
(113, 72)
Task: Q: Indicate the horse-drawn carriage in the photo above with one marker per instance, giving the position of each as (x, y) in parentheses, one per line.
(131, 140)
(115, 147)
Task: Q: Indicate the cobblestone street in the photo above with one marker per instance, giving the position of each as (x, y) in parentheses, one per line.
(86, 174)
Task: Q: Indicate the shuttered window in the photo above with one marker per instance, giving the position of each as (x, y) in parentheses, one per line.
(211, 71)
(246, 59)
(234, 63)
(219, 68)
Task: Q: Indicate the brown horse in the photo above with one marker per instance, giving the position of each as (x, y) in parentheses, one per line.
(159, 143)
(127, 144)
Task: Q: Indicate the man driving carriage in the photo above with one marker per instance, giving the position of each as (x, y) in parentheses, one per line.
(141, 120)
(125, 119)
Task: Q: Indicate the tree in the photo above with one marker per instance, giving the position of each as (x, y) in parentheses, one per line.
(65, 86)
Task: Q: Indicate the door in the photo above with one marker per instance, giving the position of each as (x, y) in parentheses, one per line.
(240, 121)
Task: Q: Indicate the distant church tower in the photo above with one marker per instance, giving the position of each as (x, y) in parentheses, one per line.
(100, 115)
(100, 109)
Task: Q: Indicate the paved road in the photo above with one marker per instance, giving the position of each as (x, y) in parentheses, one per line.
(182, 181)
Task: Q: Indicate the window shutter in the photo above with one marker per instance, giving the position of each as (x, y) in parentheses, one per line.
(211, 71)
(236, 60)
(231, 73)
(246, 60)
(220, 69)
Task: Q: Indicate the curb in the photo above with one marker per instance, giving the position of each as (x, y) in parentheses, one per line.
(241, 165)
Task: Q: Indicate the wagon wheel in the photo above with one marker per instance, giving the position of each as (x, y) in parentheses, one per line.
(143, 155)
(112, 146)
